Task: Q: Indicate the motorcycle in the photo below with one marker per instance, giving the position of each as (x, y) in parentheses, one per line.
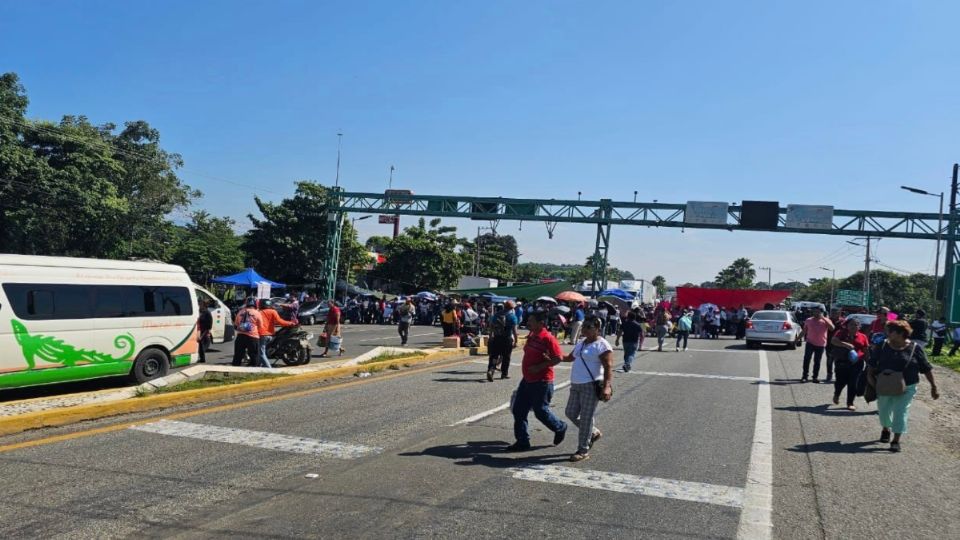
(291, 344)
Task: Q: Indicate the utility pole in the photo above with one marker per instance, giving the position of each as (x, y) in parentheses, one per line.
(833, 283)
(336, 182)
(476, 265)
(769, 276)
(949, 266)
(396, 217)
(866, 279)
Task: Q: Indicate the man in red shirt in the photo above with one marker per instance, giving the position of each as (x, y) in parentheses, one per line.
(879, 325)
(540, 354)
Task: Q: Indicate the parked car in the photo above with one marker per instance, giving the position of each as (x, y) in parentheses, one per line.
(771, 326)
(865, 319)
(313, 313)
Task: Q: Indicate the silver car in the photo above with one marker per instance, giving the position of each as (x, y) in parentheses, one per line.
(773, 327)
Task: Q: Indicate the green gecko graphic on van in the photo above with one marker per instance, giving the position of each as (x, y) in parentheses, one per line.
(51, 349)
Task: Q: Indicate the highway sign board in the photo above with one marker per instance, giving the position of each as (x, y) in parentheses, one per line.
(706, 213)
(808, 216)
(849, 297)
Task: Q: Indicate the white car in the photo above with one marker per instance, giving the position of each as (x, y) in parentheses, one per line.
(771, 326)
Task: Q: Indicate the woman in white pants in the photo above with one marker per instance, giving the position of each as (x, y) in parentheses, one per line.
(592, 363)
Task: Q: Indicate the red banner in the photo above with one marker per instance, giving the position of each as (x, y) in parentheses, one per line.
(729, 298)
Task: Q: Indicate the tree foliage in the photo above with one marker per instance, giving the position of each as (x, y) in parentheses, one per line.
(423, 258)
(208, 247)
(73, 188)
(660, 283)
(288, 242)
(498, 256)
(739, 275)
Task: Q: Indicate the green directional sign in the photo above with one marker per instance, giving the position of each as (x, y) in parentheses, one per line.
(955, 299)
(850, 297)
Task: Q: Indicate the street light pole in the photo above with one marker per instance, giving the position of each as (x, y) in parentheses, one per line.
(833, 282)
(936, 263)
(336, 182)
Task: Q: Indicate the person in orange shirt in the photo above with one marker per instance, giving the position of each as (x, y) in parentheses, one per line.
(269, 321)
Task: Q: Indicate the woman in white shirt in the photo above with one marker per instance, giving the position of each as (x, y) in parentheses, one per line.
(592, 359)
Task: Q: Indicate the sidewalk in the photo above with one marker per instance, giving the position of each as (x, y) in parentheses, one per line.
(833, 479)
(196, 371)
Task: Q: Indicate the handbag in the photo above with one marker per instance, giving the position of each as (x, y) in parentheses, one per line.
(893, 383)
(598, 386)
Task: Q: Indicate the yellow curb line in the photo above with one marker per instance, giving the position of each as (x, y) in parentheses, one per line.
(80, 413)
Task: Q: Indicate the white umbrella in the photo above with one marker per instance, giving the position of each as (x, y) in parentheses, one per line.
(707, 307)
(547, 299)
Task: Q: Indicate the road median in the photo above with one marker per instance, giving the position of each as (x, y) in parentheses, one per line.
(134, 403)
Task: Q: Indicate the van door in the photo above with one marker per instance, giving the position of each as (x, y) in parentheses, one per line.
(219, 311)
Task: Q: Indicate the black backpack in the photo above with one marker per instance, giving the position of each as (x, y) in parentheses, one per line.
(499, 325)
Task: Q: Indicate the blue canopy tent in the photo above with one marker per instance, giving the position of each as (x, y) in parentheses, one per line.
(248, 278)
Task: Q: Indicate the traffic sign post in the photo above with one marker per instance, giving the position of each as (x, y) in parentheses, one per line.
(850, 297)
(954, 300)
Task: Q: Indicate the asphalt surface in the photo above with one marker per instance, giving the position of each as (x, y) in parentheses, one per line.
(358, 339)
(423, 475)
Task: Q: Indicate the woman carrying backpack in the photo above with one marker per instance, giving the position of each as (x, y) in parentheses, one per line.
(894, 370)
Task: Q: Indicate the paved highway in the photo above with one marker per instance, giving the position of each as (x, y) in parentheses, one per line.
(695, 444)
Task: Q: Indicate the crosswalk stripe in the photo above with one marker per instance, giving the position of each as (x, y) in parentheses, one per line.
(628, 483)
(692, 375)
(258, 439)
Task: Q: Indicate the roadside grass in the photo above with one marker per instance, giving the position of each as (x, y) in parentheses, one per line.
(211, 382)
(379, 363)
(390, 356)
(952, 362)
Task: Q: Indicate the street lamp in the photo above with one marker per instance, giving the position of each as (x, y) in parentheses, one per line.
(936, 264)
(833, 282)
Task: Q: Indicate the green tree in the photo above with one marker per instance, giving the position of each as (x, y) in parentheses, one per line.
(660, 283)
(423, 258)
(207, 247)
(738, 275)
(498, 256)
(289, 240)
(73, 188)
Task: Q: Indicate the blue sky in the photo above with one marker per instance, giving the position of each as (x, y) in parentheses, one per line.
(801, 102)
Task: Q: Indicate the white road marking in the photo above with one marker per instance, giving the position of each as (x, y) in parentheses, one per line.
(258, 439)
(756, 517)
(693, 375)
(495, 410)
(637, 485)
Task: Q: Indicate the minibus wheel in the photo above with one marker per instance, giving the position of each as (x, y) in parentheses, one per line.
(150, 364)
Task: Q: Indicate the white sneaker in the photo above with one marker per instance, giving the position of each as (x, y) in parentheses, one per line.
(677, 349)
(684, 349)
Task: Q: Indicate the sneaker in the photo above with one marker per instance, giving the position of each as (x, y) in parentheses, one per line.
(804, 379)
(851, 408)
(579, 457)
(684, 349)
(595, 437)
(828, 379)
(489, 375)
(836, 400)
(517, 447)
(677, 349)
(558, 436)
(626, 369)
(885, 435)
(816, 380)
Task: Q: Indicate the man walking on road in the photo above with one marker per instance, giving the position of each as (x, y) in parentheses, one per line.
(540, 354)
(204, 325)
(503, 338)
(406, 312)
(578, 316)
(247, 323)
(815, 329)
(632, 333)
(332, 328)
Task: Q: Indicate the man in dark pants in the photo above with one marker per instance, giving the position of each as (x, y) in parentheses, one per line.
(540, 354)
(815, 330)
(204, 325)
(248, 324)
(503, 338)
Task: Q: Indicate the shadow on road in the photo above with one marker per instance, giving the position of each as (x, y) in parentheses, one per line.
(479, 453)
(837, 447)
(825, 410)
(454, 379)
(784, 382)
